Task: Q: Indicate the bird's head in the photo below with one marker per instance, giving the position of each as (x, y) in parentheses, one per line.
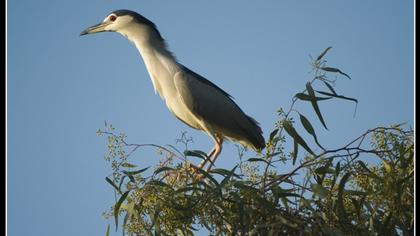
(119, 21)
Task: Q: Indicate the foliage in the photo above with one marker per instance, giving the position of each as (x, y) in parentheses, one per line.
(364, 187)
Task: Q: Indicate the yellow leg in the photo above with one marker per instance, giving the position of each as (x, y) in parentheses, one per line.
(203, 162)
(217, 150)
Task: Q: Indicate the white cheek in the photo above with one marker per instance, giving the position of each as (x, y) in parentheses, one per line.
(113, 26)
(109, 27)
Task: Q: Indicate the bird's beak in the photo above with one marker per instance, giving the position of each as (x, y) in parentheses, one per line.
(95, 29)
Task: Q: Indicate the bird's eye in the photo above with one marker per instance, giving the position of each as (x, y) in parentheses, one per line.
(113, 18)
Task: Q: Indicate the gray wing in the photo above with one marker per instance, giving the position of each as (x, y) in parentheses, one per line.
(215, 106)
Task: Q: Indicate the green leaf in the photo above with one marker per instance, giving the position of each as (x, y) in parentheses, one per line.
(136, 172)
(307, 125)
(387, 167)
(354, 192)
(117, 208)
(159, 183)
(113, 185)
(196, 153)
(132, 179)
(309, 128)
(324, 170)
(338, 96)
(125, 223)
(292, 132)
(162, 169)
(306, 97)
(255, 159)
(323, 53)
(273, 134)
(224, 172)
(337, 168)
(330, 87)
(281, 193)
(228, 176)
(107, 230)
(340, 203)
(295, 151)
(187, 189)
(363, 165)
(158, 230)
(334, 70)
(192, 228)
(129, 208)
(156, 222)
(285, 221)
(319, 190)
(304, 203)
(243, 186)
(336, 174)
(128, 165)
(315, 104)
(121, 182)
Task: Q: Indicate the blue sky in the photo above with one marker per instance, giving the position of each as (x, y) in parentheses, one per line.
(61, 87)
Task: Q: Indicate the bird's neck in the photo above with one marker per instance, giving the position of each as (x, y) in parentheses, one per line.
(161, 64)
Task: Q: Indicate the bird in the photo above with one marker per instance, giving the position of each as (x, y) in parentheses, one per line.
(190, 97)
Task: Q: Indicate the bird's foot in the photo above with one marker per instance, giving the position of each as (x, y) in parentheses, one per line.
(196, 172)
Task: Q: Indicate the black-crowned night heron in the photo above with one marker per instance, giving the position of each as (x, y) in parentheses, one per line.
(191, 98)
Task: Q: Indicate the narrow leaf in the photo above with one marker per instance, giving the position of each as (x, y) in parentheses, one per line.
(128, 165)
(125, 223)
(242, 186)
(280, 193)
(117, 208)
(295, 151)
(187, 189)
(159, 183)
(336, 174)
(224, 172)
(292, 132)
(354, 192)
(121, 182)
(337, 168)
(107, 231)
(307, 125)
(324, 170)
(334, 70)
(227, 178)
(338, 96)
(273, 133)
(306, 97)
(319, 190)
(162, 169)
(196, 153)
(309, 128)
(113, 184)
(323, 53)
(135, 172)
(315, 104)
(340, 203)
(255, 159)
(330, 87)
(387, 167)
(363, 165)
(132, 179)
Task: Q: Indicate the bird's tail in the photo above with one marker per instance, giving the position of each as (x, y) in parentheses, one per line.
(254, 134)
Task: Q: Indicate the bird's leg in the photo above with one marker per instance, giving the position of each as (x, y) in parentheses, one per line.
(217, 150)
(203, 162)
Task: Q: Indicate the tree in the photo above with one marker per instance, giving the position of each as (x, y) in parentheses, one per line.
(329, 192)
